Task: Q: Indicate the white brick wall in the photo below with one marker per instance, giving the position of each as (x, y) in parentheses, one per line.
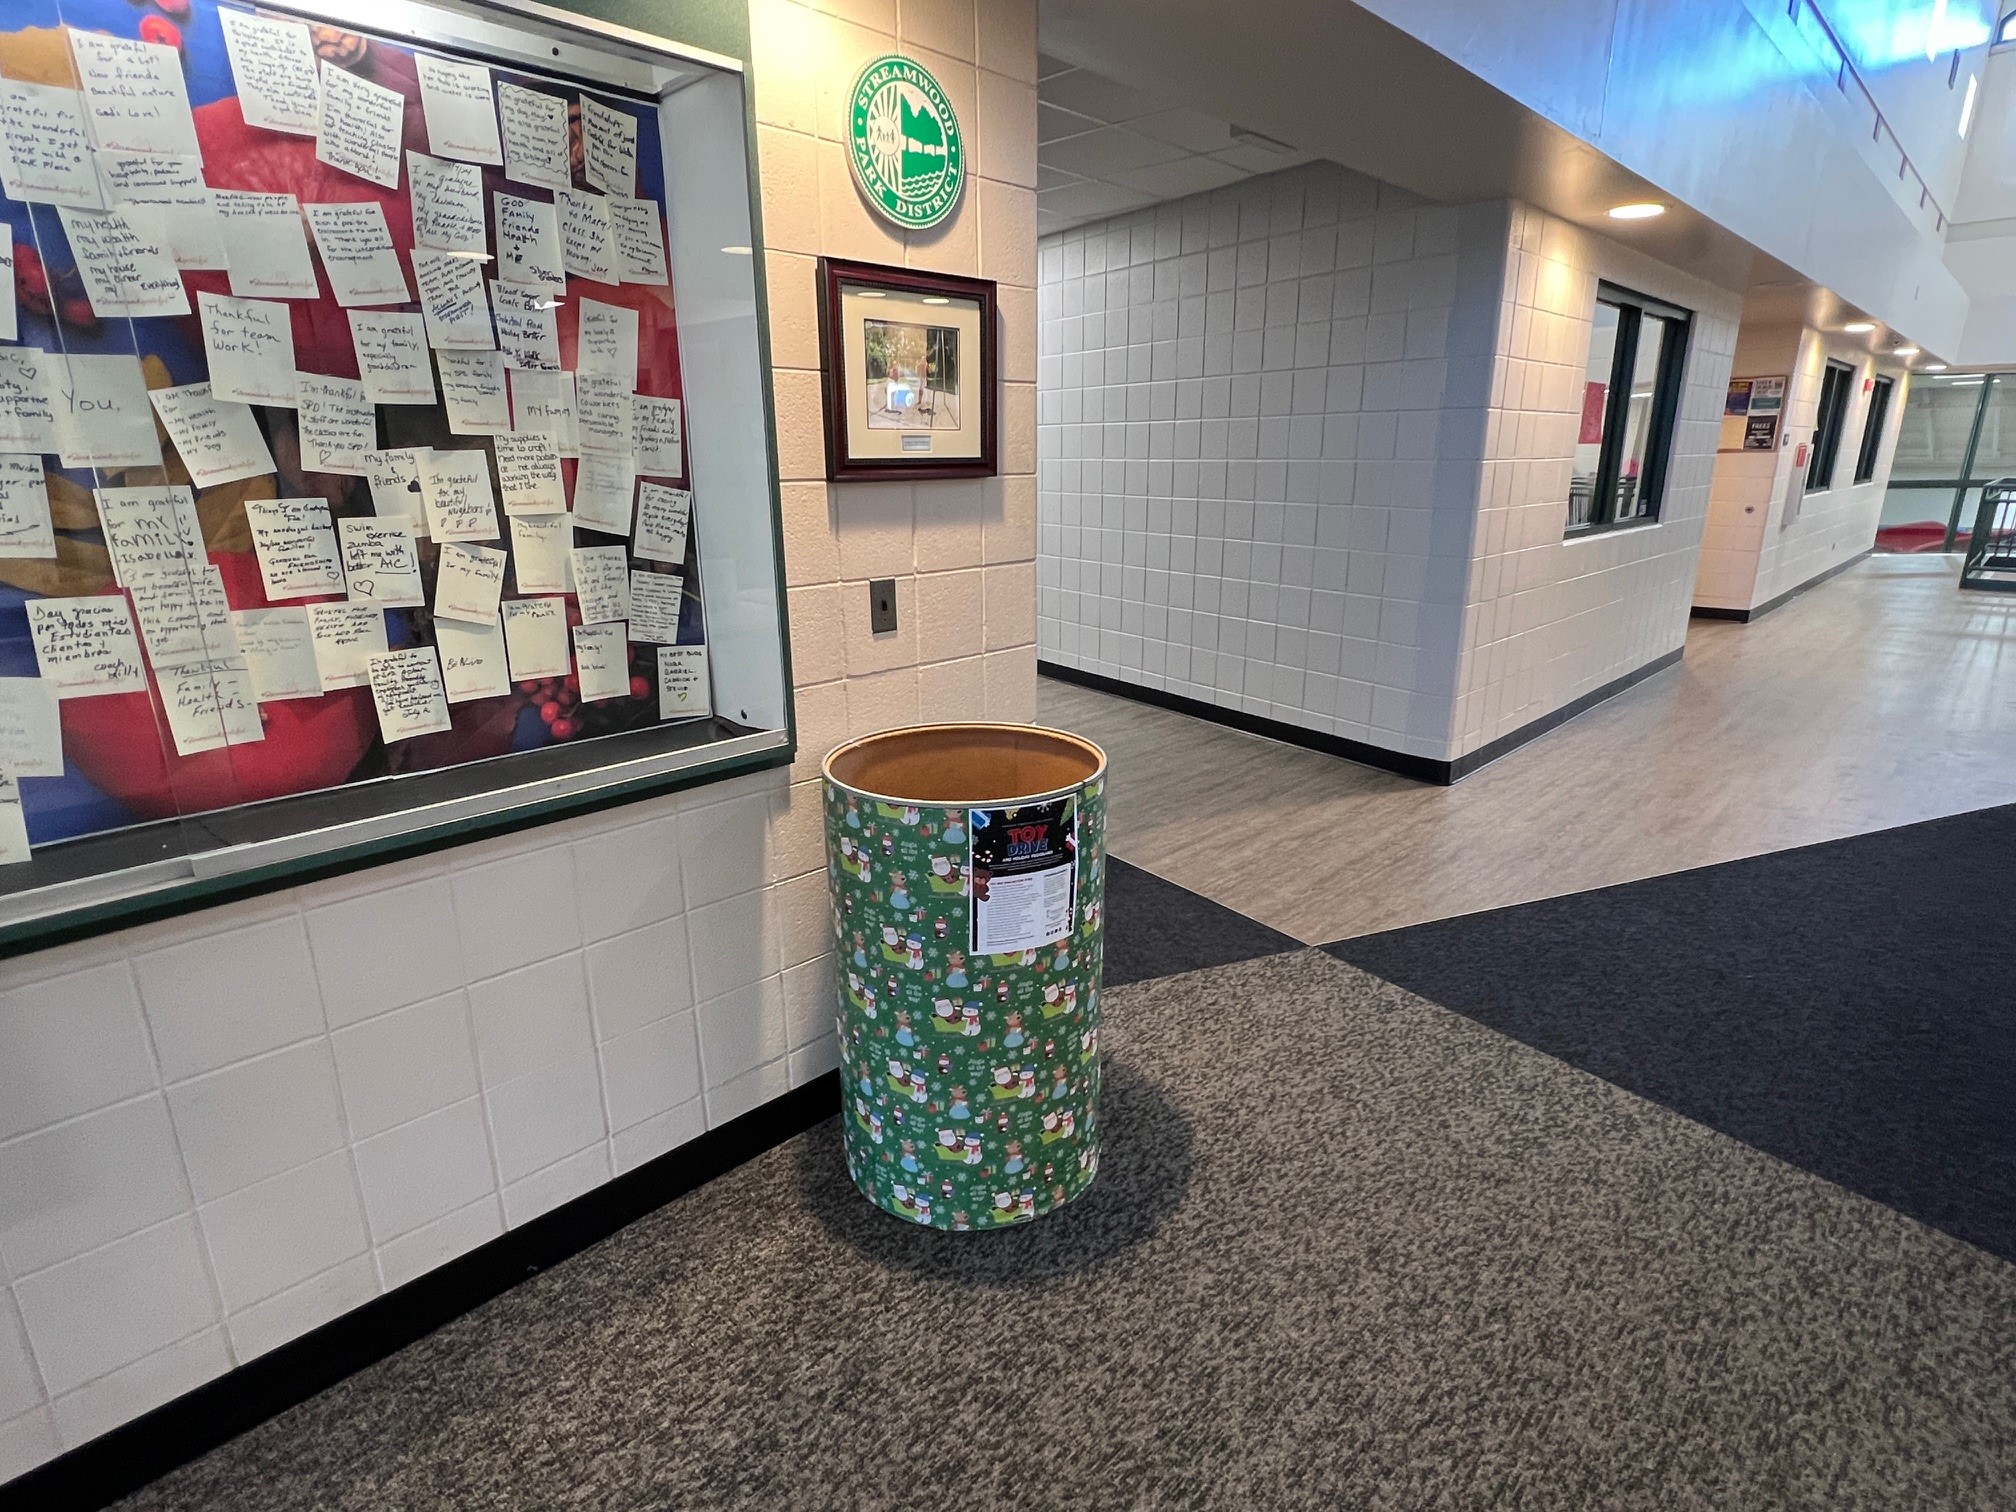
(1304, 448)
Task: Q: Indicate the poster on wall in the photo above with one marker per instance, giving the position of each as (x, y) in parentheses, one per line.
(1751, 413)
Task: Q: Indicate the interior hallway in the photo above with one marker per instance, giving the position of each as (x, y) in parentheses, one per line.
(1878, 699)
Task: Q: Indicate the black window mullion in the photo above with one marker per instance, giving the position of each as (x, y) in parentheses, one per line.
(1603, 510)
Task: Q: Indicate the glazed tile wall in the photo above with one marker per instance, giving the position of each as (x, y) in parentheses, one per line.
(1304, 452)
(1751, 552)
(220, 1131)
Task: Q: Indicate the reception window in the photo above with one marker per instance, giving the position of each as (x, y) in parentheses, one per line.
(1630, 401)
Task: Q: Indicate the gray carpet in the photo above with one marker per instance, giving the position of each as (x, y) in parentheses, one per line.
(1347, 1249)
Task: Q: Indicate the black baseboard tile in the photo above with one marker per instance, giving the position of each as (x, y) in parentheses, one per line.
(1420, 768)
(133, 1454)
(1744, 616)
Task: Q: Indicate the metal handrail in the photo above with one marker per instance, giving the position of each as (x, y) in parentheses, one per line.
(1844, 71)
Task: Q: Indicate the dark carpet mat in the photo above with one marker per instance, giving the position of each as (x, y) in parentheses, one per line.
(1346, 1250)
(1847, 1007)
(1155, 928)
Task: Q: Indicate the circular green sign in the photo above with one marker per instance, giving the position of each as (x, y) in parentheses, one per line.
(904, 143)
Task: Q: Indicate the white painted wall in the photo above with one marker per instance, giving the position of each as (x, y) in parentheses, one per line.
(1752, 552)
(223, 1130)
(1304, 447)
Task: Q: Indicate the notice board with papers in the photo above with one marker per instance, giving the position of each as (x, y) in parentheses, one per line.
(360, 480)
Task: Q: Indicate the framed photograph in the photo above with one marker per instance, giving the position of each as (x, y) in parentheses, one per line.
(909, 367)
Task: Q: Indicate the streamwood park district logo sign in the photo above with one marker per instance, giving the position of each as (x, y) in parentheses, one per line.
(904, 143)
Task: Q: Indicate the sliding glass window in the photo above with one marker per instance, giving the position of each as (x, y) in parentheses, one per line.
(1957, 432)
(1630, 400)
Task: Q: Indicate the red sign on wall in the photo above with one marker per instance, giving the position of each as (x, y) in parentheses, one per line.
(1592, 414)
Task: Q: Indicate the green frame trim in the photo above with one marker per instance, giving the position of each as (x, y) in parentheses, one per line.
(720, 27)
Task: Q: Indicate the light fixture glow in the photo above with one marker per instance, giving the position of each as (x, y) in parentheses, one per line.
(1935, 367)
(1858, 327)
(1904, 351)
(1965, 382)
(1935, 31)
(936, 299)
(737, 251)
(870, 294)
(1643, 210)
(1967, 105)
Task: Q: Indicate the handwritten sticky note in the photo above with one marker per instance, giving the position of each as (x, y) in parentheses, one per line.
(151, 531)
(545, 402)
(210, 704)
(639, 231)
(406, 687)
(663, 515)
(528, 473)
(602, 660)
(296, 546)
(655, 598)
(47, 147)
(536, 147)
(15, 846)
(607, 341)
(266, 245)
(604, 413)
(167, 203)
(86, 646)
(447, 205)
(31, 730)
(278, 649)
(394, 477)
(273, 65)
(250, 343)
(682, 683)
(218, 440)
(452, 297)
(346, 636)
(455, 487)
(527, 332)
(134, 96)
(587, 244)
(472, 391)
(357, 253)
(25, 526)
(535, 637)
(359, 127)
(338, 423)
(601, 582)
(125, 275)
(539, 547)
(472, 660)
(468, 583)
(603, 485)
(392, 357)
(27, 400)
(381, 562)
(608, 147)
(659, 423)
(528, 242)
(10, 309)
(103, 418)
(461, 115)
(183, 619)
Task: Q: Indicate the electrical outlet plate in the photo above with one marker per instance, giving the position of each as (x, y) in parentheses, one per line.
(881, 606)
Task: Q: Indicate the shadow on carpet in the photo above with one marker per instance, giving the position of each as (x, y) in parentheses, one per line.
(1844, 1007)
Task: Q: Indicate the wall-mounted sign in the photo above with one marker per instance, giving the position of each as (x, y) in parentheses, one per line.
(1751, 413)
(904, 143)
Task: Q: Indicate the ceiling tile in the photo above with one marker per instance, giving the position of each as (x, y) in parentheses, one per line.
(1053, 125)
(1053, 178)
(1256, 157)
(1191, 130)
(1099, 154)
(1089, 201)
(1048, 67)
(1190, 175)
(1102, 99)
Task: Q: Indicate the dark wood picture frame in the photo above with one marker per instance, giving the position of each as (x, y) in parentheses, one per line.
(837, 390)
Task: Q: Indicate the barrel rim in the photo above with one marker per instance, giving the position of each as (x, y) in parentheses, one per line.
(1020, 800)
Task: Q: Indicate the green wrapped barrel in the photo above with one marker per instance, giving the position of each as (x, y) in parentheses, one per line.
(966, 865)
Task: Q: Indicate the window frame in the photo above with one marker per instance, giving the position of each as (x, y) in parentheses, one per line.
(2005, 31)
(1632, 308)
(1882, 391)
(1830, 419)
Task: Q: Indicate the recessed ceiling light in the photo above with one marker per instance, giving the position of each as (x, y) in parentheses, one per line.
(936, 299)
(1904, 351)
(737, 251)
(1644, 210)
(871, 294)
(1858, 327)
(1935, 367)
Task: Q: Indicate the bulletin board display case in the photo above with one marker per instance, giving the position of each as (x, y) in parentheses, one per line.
(384, 440)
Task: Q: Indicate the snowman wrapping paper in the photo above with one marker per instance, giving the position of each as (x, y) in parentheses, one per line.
(970, 1081)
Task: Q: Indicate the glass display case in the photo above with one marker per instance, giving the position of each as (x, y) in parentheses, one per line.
(384, 440)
